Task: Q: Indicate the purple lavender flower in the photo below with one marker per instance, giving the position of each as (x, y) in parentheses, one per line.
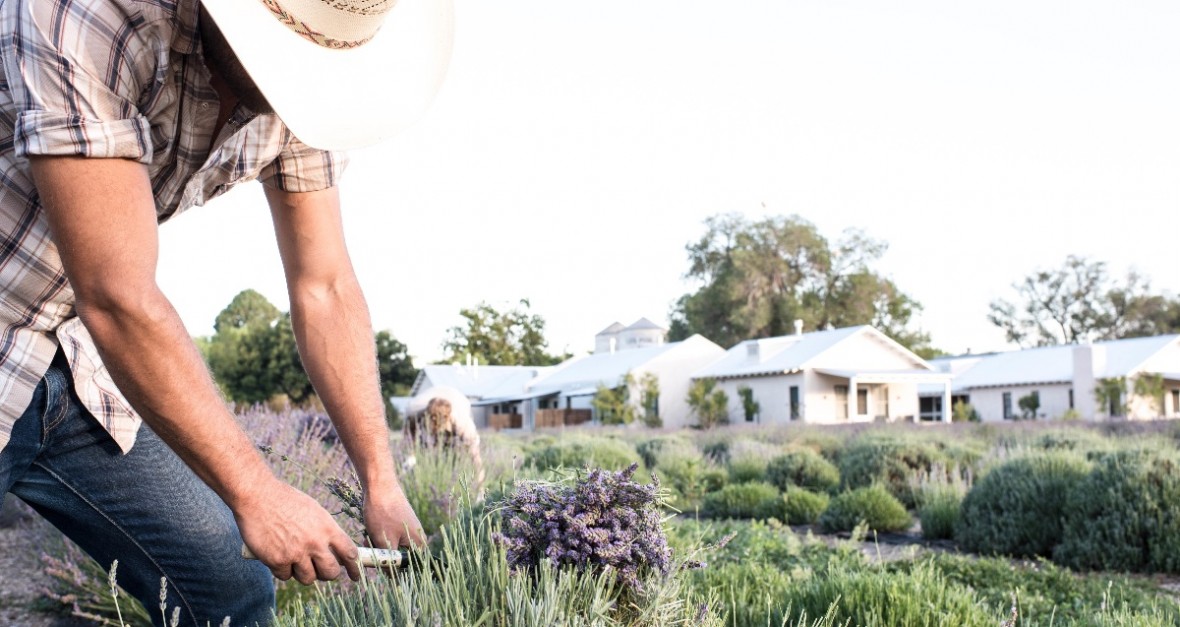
(603, 521)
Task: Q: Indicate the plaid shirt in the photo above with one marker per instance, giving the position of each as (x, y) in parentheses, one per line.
(115, 79)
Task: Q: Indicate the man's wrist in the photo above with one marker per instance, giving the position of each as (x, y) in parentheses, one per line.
(387, 489)
(252, 484)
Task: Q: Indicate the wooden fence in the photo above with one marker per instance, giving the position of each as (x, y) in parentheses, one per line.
(562, 417)
(504, 421)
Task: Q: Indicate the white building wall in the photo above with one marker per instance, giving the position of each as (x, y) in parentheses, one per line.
(674, 370)
(821, 404)
(989, 402)
(772, 393)
(479, 414)
(903, 401)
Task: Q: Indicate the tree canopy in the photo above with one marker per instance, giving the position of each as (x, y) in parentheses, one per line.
(757, 277)
(253, 356)
(515, 337)
(395, 370)
(1081, 301)
(252, 353)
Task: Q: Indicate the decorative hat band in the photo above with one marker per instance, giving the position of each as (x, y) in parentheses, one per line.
(371, 11)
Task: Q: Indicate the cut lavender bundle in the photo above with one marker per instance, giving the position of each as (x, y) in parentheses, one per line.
(603, 520)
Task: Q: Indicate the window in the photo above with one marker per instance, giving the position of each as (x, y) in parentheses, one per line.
(1115, 407)
(841, 401)
(1071, 398)
(795, 413)
(1007, 406)
(930, 408)
(1176, 401)
(862, 402)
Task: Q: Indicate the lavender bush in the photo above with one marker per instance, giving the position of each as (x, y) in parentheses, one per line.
(465, 580)
(605, 521)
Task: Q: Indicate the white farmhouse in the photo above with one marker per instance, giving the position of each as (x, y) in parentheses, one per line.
(1134, 378)
(570, 386)
(842, 375)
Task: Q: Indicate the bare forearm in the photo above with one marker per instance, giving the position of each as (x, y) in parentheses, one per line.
(334, 332)
(157, 367)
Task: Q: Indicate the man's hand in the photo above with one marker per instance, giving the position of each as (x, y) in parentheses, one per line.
(390, 521)
(290, 533)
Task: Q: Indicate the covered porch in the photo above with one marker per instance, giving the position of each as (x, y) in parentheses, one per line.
(854, 396)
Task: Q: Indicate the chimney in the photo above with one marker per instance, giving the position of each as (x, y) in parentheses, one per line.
(1089, 365)
(798, 327)
(754, 350)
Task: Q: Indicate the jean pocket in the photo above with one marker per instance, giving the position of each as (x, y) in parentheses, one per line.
(57, 399)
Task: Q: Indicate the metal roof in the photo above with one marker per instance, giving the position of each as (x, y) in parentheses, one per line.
(480, 381)
(605, 368)
(1054, 364)
(788, 353)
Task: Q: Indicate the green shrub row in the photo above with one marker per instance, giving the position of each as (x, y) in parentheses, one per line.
(1119, 511)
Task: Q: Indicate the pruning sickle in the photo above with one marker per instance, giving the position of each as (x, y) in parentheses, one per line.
(371, 558)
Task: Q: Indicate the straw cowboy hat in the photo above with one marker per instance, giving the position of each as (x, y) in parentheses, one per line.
(341, 73)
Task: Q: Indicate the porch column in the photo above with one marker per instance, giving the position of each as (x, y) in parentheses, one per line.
(852, 399)
(946, 401)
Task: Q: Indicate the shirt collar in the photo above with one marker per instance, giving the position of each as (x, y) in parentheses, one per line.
(186, 37)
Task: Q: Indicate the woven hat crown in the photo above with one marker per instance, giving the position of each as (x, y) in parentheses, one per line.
(332, 23)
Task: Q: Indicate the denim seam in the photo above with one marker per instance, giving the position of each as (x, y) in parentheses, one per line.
(173, 584)
(60, 417)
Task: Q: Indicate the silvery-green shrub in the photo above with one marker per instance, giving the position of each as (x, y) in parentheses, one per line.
(872, 505)
(1125, 515)
(803, 468)
(1017, 508)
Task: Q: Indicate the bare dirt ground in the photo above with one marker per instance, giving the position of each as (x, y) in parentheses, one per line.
(21, 575)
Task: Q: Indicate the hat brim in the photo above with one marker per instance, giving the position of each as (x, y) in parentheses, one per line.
(339, 99)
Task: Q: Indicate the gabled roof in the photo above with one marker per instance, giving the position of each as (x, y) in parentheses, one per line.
(606, 368)
(615, 327)
(643, 324)
(480, 381)
(788, 353)
(1054, 364)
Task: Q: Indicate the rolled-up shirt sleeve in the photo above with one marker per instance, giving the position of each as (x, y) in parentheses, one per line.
(301, 168)
(76, 72)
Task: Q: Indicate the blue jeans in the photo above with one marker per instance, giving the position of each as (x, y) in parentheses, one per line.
(146, 509)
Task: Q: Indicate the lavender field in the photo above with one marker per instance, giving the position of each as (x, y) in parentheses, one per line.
(964, 524)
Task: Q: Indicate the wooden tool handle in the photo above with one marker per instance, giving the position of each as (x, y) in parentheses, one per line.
(371, 558)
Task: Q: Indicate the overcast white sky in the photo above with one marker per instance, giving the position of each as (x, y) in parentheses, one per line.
(575, 149)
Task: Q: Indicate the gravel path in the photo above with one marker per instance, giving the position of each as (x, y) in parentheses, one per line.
(21, 577)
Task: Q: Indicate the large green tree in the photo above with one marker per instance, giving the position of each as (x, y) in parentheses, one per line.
(254, 357)
(515, 337)
(1081, 301)
(756, 277)
(252, 353)
(396, 371)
